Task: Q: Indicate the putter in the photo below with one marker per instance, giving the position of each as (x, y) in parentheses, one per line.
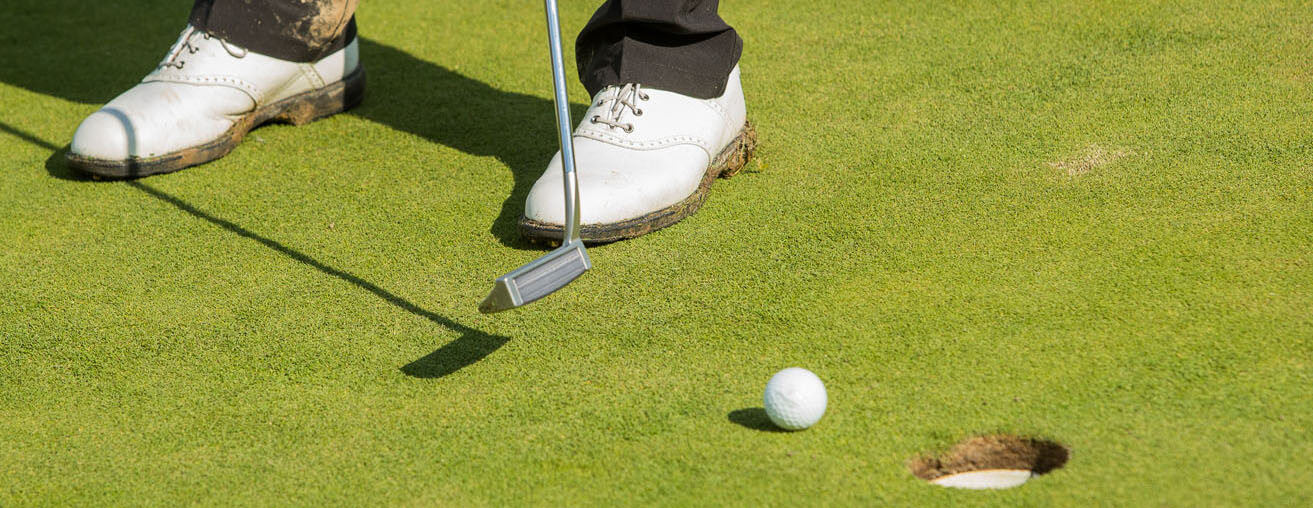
(559, 267)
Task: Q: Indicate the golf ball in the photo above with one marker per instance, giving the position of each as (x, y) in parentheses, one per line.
(795, 398)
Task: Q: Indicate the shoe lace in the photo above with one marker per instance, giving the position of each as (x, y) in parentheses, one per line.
(624, 98)
(176, 58)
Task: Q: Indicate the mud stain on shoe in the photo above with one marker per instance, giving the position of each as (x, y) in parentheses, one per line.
(728, 163)
(327, 23)
(1094, 157)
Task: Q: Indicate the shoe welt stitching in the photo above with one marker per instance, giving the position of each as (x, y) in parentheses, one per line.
(312, 74)
(217, 80)
(646, 145)
(717, 107)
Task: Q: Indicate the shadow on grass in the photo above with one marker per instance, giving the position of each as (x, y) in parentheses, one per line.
(431, 101)
(28, 137)
(754, 418)
(473, 345)
(456, 355)
(48, 49)
(51, 52)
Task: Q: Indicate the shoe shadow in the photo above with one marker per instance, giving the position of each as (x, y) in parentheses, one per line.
(754, 418)
(59, 57)
(440, 105)
(456, 355)
(85, 52)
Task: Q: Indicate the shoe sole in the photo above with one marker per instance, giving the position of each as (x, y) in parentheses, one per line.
(298, 109)
(728, 163)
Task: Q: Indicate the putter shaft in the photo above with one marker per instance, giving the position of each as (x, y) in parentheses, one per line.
(551, 272)
(563, 128)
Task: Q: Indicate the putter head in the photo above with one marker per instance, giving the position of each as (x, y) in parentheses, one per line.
(537, 279)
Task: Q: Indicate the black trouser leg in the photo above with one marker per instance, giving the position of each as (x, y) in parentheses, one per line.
(295, 30)
(677, 45)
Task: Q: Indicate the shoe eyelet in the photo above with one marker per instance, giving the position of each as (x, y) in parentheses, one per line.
(644, 97)
(629, 127)
(638, 112)
(593, 119)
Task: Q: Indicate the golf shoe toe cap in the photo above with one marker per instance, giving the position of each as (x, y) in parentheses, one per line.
(154, 119)
(106, 134)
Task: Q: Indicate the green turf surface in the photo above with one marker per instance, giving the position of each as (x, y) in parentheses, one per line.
(1085, 221)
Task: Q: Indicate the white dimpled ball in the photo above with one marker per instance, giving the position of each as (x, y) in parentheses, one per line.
(795, 398)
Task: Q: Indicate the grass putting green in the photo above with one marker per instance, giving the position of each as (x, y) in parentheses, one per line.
(1089, 222)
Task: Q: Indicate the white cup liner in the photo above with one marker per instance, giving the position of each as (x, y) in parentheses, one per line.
(985, 479)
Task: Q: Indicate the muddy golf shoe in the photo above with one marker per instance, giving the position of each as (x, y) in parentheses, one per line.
(202, 99)
(645, 159)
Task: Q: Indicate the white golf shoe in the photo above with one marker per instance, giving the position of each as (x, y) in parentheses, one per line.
(645, 159)
(202, 99)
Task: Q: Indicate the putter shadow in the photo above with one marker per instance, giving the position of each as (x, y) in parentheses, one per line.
(454, 356)
(473, 345)
(26, 136)
(753, 418)
(55, 164)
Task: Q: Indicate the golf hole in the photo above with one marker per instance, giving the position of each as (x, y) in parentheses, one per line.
(990, 462)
